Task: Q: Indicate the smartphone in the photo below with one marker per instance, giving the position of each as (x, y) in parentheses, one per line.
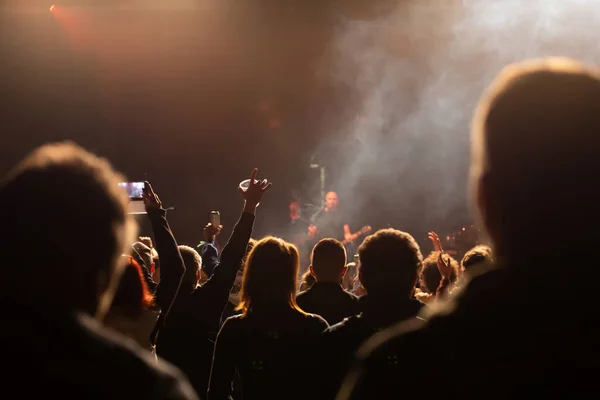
(135, 190)
(215, 218)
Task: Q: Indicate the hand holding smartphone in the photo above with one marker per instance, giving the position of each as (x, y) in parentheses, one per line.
(135, 191)
(213, 228)
(215, 218)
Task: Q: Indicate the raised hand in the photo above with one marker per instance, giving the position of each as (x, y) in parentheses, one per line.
(255, 190)
(151, 200)
(211, 231)
(437, 243)
(443, 266)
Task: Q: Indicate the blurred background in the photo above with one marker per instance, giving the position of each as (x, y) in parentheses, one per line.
(192, 94)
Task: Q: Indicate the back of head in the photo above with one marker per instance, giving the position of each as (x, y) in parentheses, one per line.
(328, 259)
(193, 264)
(390, 263)
(431, 276)
(270, 273)
(132, 295)
(478, 255)
(535, 156)
(64, 226)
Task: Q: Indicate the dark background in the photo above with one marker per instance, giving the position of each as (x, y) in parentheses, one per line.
(191, 99)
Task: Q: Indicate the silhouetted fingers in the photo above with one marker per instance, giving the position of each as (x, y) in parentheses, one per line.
(253, 176)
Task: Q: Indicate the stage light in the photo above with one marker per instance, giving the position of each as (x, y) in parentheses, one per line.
(52, 7)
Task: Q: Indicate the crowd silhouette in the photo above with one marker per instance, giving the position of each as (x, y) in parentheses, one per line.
(92, 312)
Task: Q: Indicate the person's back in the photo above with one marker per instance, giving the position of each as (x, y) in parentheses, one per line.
(60, 250)
(515, 330)
(502, 340)
(329, 300)
(273, 342)
(390, 264)
(326, 297)
(271, 351)
(187, 339)
(70, 355)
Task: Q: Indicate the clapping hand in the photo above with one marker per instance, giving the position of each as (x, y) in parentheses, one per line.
(443, 266)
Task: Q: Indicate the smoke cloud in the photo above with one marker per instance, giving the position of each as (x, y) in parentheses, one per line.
(410, 82)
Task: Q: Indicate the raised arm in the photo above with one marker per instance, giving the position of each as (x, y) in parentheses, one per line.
(444, 267)
(223, 278)
(172, 266)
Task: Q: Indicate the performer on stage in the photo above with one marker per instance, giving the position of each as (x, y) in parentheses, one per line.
(330, 221)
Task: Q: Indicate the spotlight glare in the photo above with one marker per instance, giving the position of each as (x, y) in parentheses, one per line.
(52, 7)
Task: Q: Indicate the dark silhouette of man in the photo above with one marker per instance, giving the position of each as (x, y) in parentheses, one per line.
(64, 228)
(326, 297)
(390, 264)
(516, 330)
(329, 222)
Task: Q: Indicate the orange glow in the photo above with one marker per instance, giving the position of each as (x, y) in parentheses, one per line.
(274, 123)
(52, 7)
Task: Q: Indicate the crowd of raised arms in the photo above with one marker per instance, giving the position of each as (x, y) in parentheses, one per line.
(89, 311)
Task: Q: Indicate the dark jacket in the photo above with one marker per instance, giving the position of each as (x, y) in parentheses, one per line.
(172, 271)
(187, 339)
(273, 353)
(510, 333)
(71, 356)
(329, 300)
(210, 258)
(341, 341)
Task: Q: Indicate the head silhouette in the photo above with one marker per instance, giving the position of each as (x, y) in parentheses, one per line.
(390, 264)
(64, 228)
(269, 279)
(535, 146)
